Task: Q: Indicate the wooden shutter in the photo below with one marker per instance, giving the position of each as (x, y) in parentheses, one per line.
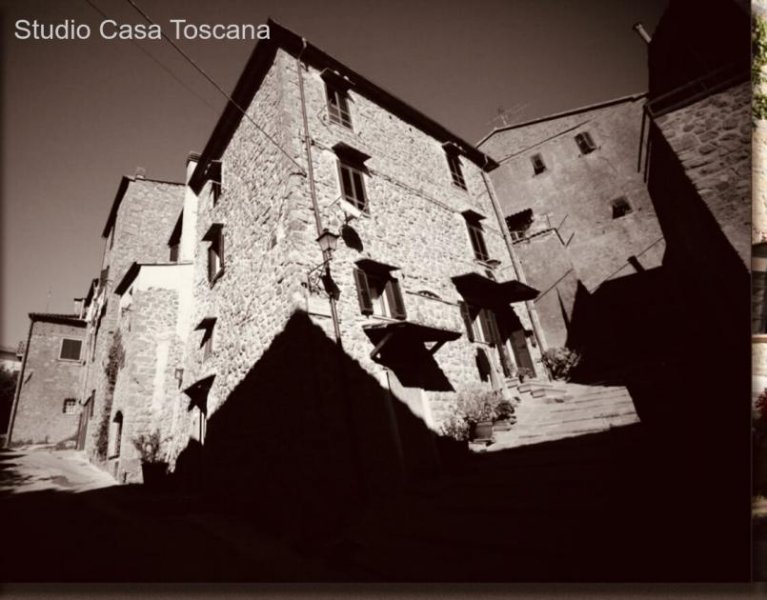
(211, 263)
(466, 314)
(396, 303)
(220, 244)
(363, 292)
(492, 326)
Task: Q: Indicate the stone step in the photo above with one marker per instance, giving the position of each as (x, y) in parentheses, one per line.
(573, 413)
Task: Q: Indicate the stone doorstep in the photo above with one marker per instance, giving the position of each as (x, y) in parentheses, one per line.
(585, 419)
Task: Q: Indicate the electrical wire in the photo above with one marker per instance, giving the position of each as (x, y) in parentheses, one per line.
(202, 72)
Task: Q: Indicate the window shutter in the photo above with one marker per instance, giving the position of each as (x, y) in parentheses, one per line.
(220, 250)
(211, 263)
(394, 294)
(466, 314)
(492, 326)
(363, 292)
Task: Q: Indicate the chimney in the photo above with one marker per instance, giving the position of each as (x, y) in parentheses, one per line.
(642, 32)
(140, 173)
(78, 306)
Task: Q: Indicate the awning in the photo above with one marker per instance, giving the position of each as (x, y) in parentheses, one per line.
(407, 332)
(484, 291)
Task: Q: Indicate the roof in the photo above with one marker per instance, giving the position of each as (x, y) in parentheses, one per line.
(121, 189)
(567, 113)
(258, 65)
(133, 271)
(64, 319)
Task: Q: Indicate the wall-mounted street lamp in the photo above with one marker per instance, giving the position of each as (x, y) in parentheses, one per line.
(328, 242)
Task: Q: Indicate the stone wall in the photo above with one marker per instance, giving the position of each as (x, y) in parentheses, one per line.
(144, 220)
(574, 238)
(712, 139)
(146, 391)
(289, 402)
(47, 382)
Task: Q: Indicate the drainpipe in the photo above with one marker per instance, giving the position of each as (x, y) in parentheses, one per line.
(312, 187)
(353, 443)
(518, 272)
(17, 392)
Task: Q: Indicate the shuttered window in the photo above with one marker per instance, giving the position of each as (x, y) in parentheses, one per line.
(338, 106)
(379, 294)
(456, 171)
(481, 324)
(585, 143)
(353, 185)
(477, 236)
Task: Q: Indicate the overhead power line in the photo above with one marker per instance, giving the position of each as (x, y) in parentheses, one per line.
(202, 72)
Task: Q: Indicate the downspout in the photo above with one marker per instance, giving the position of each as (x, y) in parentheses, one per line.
(17, 392)
(313, 189)
(360, 479)
(518, 272)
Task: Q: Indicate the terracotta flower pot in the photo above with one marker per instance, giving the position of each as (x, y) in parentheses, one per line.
(482, 430)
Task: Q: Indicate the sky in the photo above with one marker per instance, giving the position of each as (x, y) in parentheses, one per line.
(79, 114)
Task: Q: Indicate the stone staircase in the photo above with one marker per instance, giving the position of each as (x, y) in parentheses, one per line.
(547, 411)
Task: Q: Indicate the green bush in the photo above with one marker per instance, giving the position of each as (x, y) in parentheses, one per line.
(474, 406)
(560, 362)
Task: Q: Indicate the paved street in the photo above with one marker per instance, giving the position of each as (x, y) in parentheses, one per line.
(65, 520)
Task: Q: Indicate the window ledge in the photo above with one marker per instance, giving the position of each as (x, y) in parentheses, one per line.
(461, 187)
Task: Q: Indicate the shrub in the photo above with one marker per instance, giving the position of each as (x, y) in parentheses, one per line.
(148, 446)
(474, 406)
(561, 362)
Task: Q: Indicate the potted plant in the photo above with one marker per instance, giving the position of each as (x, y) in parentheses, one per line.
(153, 467)
(504, 415)
(477, 409)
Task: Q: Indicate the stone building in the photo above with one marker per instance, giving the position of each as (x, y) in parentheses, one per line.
(10, 358)
(138, 228)
(583, 225)
(46, 405)
(324, 374)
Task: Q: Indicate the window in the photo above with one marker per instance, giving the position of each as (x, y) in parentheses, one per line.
(207, 343)
(116, 435)
(481, 325)
(214, 174)
(456, 172)
(477, 236)
(379, 293)
(215, 236)
(353, 185)
(70, 406)
(70, 349)
(538, 165)
(585, 143)
(175, 240)
(519, 224)
(338, 105)
(621, 207)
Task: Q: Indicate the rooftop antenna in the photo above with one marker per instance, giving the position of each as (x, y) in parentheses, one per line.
(48, 301)
(508, 116)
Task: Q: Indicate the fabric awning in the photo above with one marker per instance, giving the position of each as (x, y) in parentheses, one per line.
(409, 333)
(484, 291)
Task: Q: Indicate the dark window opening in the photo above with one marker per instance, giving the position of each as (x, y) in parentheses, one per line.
(379, 293)
(215, 236)
(70, 349)
(585, 143)
(621, 207)
(456, 171)
(70, 406)
(338, 106)
(538, 165)
(477, 236)
(207, 343)
(117, 434)
(353, 185)
(175, 241)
